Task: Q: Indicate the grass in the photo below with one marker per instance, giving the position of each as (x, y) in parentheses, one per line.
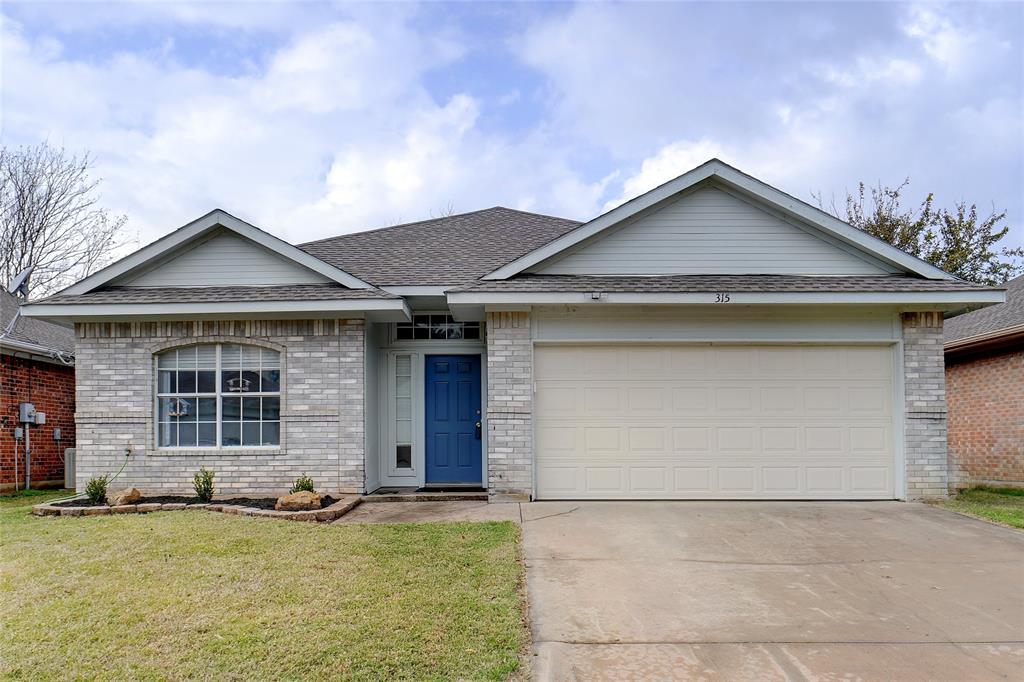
(1002, 505)
(201, 595)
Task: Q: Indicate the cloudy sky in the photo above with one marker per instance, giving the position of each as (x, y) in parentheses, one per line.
(316, 119)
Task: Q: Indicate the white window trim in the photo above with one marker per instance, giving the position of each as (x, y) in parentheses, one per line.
(218, 395)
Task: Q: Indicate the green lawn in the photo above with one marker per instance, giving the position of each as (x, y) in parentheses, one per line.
(202, 595)
(1002, 505)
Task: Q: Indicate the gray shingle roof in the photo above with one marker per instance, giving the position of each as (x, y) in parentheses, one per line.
(443, 251)
(57, 337)
(714, 283)
(991, 319)
(287, 292)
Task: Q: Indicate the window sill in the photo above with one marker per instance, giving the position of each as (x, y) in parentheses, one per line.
(216, 452)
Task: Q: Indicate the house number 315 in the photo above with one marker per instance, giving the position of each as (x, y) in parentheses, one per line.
(721, 298)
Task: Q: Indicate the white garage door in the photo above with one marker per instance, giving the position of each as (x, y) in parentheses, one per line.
(727, 422)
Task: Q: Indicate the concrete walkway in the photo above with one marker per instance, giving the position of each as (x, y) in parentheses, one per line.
(771, 591)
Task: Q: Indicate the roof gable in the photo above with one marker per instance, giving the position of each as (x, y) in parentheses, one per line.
(708, 230)
(218, 222)
(813, 220)
(223, 258)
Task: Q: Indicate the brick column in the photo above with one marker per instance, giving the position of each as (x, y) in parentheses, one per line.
(925, 399)
(509, 407)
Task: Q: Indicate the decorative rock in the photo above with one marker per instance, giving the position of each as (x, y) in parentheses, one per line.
(300, 501)
(123, 509)
(44, 510)
(126, 496)
(72, 511)
(200, 505)
(149, 507)
(213, 507)
(172, 506)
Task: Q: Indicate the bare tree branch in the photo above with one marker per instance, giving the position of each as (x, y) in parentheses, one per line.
(50, 218)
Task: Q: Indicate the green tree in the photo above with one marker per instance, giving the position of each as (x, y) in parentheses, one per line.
(956, 240)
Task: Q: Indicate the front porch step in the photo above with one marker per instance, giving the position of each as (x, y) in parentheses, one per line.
(414, 495)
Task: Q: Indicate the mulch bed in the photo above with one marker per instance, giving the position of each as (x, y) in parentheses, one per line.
(256, 502)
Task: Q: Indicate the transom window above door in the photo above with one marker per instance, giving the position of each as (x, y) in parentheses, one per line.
(218, 395)
(436, 327)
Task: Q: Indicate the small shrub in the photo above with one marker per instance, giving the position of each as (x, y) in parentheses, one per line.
(96, 489)
(303, 482)
(203, 484)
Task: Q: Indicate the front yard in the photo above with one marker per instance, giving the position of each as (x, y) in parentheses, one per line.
(200, 595)
(1002, 505)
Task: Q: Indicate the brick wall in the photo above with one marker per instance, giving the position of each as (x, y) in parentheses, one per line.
(509, 406)
(321, 406)
(51, 387)
(925, 404)
(986, 418)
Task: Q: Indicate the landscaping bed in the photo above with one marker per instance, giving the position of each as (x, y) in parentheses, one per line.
(252, 502)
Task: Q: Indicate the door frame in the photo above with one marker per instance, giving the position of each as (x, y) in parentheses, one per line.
(419, 350)
(480, 418)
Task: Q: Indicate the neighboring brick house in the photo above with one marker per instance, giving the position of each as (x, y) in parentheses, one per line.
(713, 338)
(36, 366)
(985, 392)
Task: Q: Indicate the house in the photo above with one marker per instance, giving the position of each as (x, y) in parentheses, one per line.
(712, 338)
(37, 361)
(985, 392)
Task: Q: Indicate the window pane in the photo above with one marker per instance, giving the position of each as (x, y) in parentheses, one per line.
(167, 434)
(250, 433)
(403, 408)
(271, 408)
(207, 435)
(403, 331)
(403, 432)
(455, 331)
(206, 382)
(186, 435)
(165, 405)
(232, 409)
(207, 409)
(231, 356)
(270, 381)
(167, 359)
(187, 409)
(206, 356)
(167, 382)
(231, 433)
(186, 382)
(250, 357)
(403, 456)
(250, 409)
(438, 331)
(187, 358)
(469, 332)
(271, 358)
(271, 433)
(403, 387)
(250, 382)
(231, 382)
(403, 365)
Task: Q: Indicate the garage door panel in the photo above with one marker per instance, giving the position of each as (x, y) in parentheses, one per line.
(687, 433)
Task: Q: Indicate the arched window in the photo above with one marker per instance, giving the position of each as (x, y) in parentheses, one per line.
(218, 395)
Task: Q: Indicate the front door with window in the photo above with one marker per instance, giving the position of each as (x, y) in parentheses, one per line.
(453, 452)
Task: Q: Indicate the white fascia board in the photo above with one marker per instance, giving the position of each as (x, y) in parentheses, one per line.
(735, 298)
(195, 229)
(745, 183)
(100, 311)
(34, 349)
(987, 336)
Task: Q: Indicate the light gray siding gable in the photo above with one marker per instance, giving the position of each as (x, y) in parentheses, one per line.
(224, 259)
(711, 231)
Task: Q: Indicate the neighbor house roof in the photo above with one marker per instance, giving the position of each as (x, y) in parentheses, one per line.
(443, 251)
(988, 324)
(28, 332)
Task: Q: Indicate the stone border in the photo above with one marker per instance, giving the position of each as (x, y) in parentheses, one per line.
(336, 510)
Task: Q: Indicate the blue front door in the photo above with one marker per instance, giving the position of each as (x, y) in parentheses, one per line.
(453, 419)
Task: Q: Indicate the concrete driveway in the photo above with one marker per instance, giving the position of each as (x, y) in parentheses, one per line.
(772, 591)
